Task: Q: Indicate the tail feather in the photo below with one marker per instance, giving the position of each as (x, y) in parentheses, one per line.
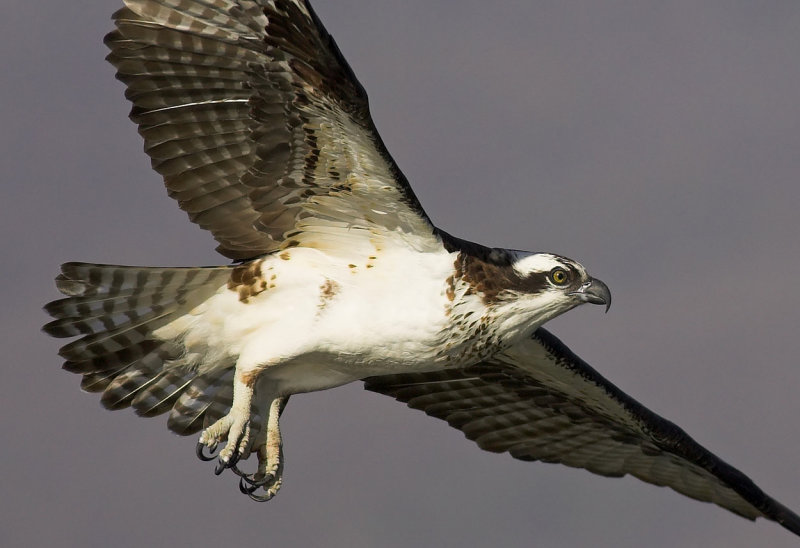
(100, 343)
(205, 400)
(103, 279)
(160, 396)
(126, 386)
(127, 356)
(115, 310)
(97, 382)
(88, 324)
(82, 315)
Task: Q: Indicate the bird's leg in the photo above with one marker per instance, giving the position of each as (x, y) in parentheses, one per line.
(269, 474)
(233, 427)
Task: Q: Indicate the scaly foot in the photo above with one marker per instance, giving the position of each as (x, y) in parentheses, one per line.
(269, 474)
(233, 427)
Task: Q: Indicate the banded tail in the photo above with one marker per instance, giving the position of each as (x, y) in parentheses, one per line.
(115, 310)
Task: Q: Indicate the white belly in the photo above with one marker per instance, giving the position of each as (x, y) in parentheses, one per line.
(319, 323)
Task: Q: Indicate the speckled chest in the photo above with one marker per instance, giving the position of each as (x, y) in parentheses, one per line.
(471, 334)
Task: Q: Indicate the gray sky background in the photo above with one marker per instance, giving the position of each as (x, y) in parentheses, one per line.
(657, 142)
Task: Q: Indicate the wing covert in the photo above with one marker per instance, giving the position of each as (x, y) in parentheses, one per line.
(539, 401)
(258, 126)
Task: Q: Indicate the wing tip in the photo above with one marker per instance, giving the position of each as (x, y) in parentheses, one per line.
(781, 514)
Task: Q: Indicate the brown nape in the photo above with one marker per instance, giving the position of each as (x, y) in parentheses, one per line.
(491, 278)
(489, 271)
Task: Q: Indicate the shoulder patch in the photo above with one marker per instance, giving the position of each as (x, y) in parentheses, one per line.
(247, 280)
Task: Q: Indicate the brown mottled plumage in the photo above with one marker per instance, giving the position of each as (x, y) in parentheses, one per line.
(248, 280)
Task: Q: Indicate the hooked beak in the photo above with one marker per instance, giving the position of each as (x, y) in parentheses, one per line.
(594, 291)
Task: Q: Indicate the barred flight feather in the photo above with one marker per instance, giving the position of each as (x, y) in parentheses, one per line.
(116, 309)
(205, 400)
(282, 118)
(533, 404)
(162, 394)
(149, 350)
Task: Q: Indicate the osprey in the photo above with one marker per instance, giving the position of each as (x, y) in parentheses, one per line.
(263, 135)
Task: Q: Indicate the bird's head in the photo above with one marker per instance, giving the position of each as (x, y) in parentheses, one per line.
(542, 286)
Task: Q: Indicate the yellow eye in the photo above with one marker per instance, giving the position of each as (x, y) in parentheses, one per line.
(559, 276)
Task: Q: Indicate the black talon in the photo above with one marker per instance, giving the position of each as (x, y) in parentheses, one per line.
(248, 483)
(236, 470)
(261, 498)
(222, 465)
(218, 469)
(246, 487)
(200, 449)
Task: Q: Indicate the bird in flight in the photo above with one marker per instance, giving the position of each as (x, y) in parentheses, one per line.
(263, 135)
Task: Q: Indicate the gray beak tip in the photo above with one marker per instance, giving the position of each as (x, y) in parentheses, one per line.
(595, 292)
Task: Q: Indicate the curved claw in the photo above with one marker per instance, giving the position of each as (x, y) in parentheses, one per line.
(200, 449)
(251, 480)
(245, 487)
(261, 498)
(222, 465)
(235, 470)
(248, 484)
(248, 478)
(219, 468)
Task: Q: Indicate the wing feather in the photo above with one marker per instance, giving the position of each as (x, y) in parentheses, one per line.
(539, 401)
(259, 126)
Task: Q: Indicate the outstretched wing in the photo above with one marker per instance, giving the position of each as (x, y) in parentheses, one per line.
(539, 401)
(258, 125)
